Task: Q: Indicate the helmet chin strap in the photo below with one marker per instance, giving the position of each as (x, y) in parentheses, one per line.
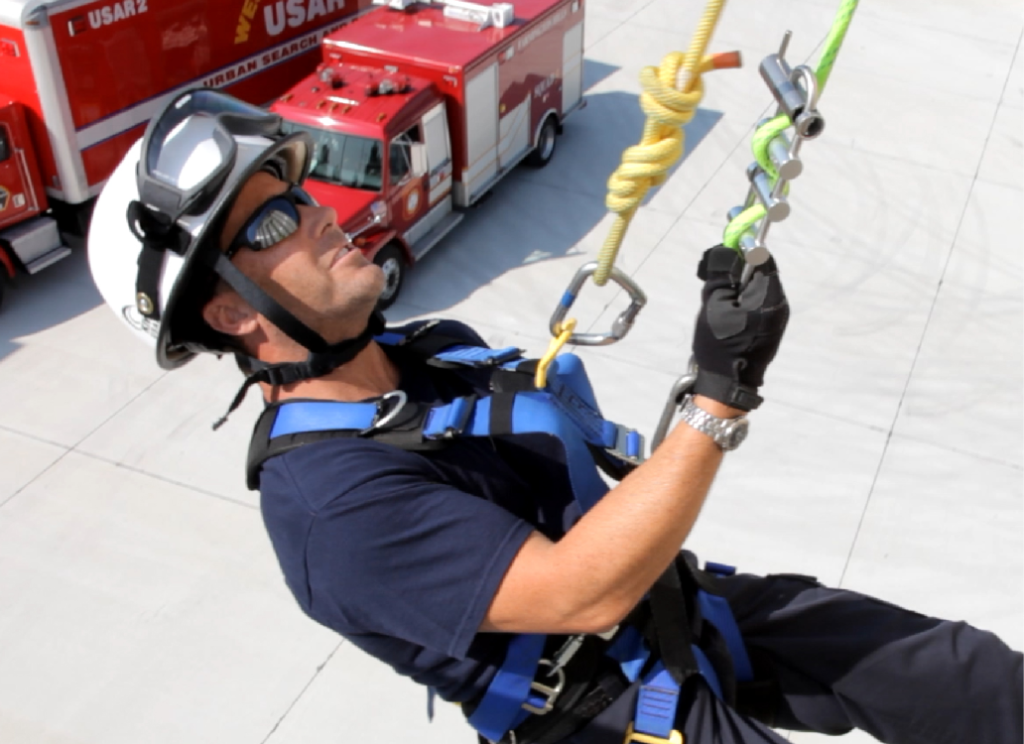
(323, 358)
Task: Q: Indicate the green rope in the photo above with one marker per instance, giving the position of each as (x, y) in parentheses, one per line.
(835, 41)
(764, 134)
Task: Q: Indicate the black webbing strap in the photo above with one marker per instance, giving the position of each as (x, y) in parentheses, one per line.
(501, 413)
(265, 305)
(515, 380)
(673, 630)
(158, 234)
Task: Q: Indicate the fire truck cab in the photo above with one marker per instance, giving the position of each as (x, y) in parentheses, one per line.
(420, 108)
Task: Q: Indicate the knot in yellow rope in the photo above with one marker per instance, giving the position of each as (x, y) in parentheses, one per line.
(671, 94)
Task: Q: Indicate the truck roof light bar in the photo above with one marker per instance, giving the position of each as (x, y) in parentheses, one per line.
(498, 15)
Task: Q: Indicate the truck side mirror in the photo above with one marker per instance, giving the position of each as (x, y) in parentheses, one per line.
(418, 158)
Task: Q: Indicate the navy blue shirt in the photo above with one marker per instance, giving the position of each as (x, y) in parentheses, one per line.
(402, 552)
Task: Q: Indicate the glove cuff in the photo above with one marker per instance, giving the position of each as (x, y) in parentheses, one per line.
(726, 390)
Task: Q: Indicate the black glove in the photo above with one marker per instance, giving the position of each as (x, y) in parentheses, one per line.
(738, 333)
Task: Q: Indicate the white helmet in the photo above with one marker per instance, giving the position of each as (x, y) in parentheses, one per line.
(153, 239)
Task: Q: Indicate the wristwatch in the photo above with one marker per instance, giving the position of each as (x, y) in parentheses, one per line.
(727, 433)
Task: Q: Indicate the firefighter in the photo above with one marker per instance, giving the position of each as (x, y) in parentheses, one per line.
(418, 506)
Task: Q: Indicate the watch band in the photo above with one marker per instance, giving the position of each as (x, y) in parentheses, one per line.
(726, 433)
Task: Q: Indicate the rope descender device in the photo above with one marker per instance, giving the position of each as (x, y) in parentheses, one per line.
(777, 156)
(796, 92)
(670, 97)
(777, 162)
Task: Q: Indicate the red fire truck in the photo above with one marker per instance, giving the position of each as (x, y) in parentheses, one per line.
(419, 108)
(81, 78)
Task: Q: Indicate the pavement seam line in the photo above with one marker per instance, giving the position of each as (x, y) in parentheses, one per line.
(74, 447)
(924, 331)
(302, 692)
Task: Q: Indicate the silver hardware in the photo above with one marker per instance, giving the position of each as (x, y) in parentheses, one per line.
(564, 654)
(621, 450)
(796, 92)
(680, 389)
(144, 303)
(622, 324)
(775, 205)
(379, 421)
(550, 692)
(786, 163)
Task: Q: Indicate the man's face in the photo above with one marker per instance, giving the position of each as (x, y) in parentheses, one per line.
(315, 273)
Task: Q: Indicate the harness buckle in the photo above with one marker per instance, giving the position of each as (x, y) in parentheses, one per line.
(449, 421)
(629, 445)
(383, 417)
(622, 323)
(550, 693)
(635, 737)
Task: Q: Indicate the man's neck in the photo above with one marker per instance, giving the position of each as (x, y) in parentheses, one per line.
(370, 374)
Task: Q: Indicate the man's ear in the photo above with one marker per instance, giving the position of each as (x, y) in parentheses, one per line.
(227, 313)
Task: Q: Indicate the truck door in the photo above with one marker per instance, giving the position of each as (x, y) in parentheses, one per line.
(431, 158)
(437, 142)
(407, 192)
(481, 134)
(17, 197)
(572, 67)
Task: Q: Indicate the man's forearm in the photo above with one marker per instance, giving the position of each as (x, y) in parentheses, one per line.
(614, 554)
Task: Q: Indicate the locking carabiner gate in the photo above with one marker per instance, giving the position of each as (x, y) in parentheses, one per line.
(621, 325)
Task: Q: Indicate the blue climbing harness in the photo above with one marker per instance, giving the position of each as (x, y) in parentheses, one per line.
(567, 410)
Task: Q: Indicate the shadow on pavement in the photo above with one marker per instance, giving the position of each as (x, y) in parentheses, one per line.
(536, 215)
(35, 302)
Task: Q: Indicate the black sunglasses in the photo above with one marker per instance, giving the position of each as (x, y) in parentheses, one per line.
(276, 219)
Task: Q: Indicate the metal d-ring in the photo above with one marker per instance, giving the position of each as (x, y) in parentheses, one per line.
(379, 422)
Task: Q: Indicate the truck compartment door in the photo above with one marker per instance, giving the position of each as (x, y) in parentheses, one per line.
(481, 134)
(515, 134)
(572, 67)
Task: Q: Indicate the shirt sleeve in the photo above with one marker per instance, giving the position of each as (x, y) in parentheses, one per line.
(392, 551)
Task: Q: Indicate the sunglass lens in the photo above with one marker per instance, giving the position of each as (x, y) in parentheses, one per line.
(278, 223)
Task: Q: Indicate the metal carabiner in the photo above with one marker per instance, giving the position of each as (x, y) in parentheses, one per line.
(681, 387)
(621, 325)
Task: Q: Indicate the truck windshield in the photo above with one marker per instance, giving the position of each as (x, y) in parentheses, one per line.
(344, 159)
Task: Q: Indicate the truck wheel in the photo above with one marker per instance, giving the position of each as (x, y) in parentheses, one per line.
(545, 148)
(392, 263)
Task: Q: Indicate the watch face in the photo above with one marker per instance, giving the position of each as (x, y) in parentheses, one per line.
(736, 434)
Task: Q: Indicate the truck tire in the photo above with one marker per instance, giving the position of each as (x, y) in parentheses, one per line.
(545, 148)
(392, 262)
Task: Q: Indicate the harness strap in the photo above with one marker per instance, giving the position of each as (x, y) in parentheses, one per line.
(567, 410)
(716, 611)
(501, 706)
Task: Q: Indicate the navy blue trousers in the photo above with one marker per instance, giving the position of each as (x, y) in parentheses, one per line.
(844, 660)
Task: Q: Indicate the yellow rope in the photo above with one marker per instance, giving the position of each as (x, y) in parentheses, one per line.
(671, 94)
(565, 330)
